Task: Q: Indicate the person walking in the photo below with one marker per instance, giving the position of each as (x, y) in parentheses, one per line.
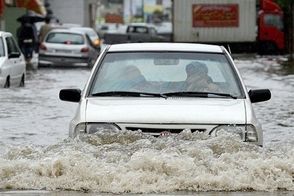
(45, 29)
(26, 39)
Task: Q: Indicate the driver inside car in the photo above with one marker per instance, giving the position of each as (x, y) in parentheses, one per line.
(198, 78)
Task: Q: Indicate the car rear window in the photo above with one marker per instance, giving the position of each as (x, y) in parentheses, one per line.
(65, 38)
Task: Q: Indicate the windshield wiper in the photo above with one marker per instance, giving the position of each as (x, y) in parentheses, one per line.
(198, 94)
(127, 94)
(163, 95)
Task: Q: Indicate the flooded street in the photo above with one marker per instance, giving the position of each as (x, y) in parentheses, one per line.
(36, 153)
(35, 114)
(277, 114)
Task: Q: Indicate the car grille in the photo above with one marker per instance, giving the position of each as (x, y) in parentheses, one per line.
(160, 130)
(157, 129)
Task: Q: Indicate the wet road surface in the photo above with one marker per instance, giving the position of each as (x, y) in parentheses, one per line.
(35, 152)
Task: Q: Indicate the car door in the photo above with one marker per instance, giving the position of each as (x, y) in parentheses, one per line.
(14, 60)
(4, 68)
(93, 52)
(154, 35)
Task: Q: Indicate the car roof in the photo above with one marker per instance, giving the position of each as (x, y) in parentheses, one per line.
(82, 28)
(5, 33)
(65, 30)
(139, 24)
(187, 47)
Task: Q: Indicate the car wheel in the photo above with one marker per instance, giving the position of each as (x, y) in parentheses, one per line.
(7, 83)
(22, 82)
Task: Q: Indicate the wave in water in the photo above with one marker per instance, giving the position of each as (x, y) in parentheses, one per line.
(130, 162)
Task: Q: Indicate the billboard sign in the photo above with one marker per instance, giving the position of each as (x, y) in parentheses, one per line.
(215, 15)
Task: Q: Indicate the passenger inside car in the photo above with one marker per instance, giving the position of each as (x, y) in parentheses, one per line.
(134, 80)
(198, 78)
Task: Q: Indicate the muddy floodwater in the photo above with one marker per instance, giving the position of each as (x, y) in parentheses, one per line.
(38, 158)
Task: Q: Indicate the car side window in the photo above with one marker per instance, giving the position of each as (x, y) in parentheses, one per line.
(141, 30)
(137, 30)
(89, 40)
(273, 20)
(11, 46)
(2, 51)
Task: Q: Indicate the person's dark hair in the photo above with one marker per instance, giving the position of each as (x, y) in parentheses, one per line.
(47, 20)
(196, 67)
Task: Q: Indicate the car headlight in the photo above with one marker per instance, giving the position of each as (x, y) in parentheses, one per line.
(79, 129)
(246, 133)
(95, 127)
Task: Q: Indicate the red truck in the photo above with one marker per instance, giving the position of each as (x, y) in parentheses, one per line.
(244, 25)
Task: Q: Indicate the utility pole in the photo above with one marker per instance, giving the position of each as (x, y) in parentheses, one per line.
(131, 11)
(291, 32)
(143, 14)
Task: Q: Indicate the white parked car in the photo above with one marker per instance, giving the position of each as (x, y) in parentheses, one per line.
(67, 47)
(12, 62)
(164, 88)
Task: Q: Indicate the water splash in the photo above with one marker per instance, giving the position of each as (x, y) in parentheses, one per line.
(130, 162)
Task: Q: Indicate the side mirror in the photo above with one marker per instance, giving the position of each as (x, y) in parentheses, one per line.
(72, 95)
(259, 95)
(13, 55)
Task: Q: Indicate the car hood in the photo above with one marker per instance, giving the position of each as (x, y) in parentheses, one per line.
(171, 110)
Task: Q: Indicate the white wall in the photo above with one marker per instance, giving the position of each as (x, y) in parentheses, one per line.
(68, 11)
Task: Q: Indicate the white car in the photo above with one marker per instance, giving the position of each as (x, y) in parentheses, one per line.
(12, 62)
(92, 35)
(165, 88)
(67, 47)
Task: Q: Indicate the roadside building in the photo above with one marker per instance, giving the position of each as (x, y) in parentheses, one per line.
(10, 10)
(81, 12)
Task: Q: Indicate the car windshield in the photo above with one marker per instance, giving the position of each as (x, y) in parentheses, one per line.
(170, 73)
(65, 38)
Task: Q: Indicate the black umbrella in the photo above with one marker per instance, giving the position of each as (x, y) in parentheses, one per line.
(30, 18)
